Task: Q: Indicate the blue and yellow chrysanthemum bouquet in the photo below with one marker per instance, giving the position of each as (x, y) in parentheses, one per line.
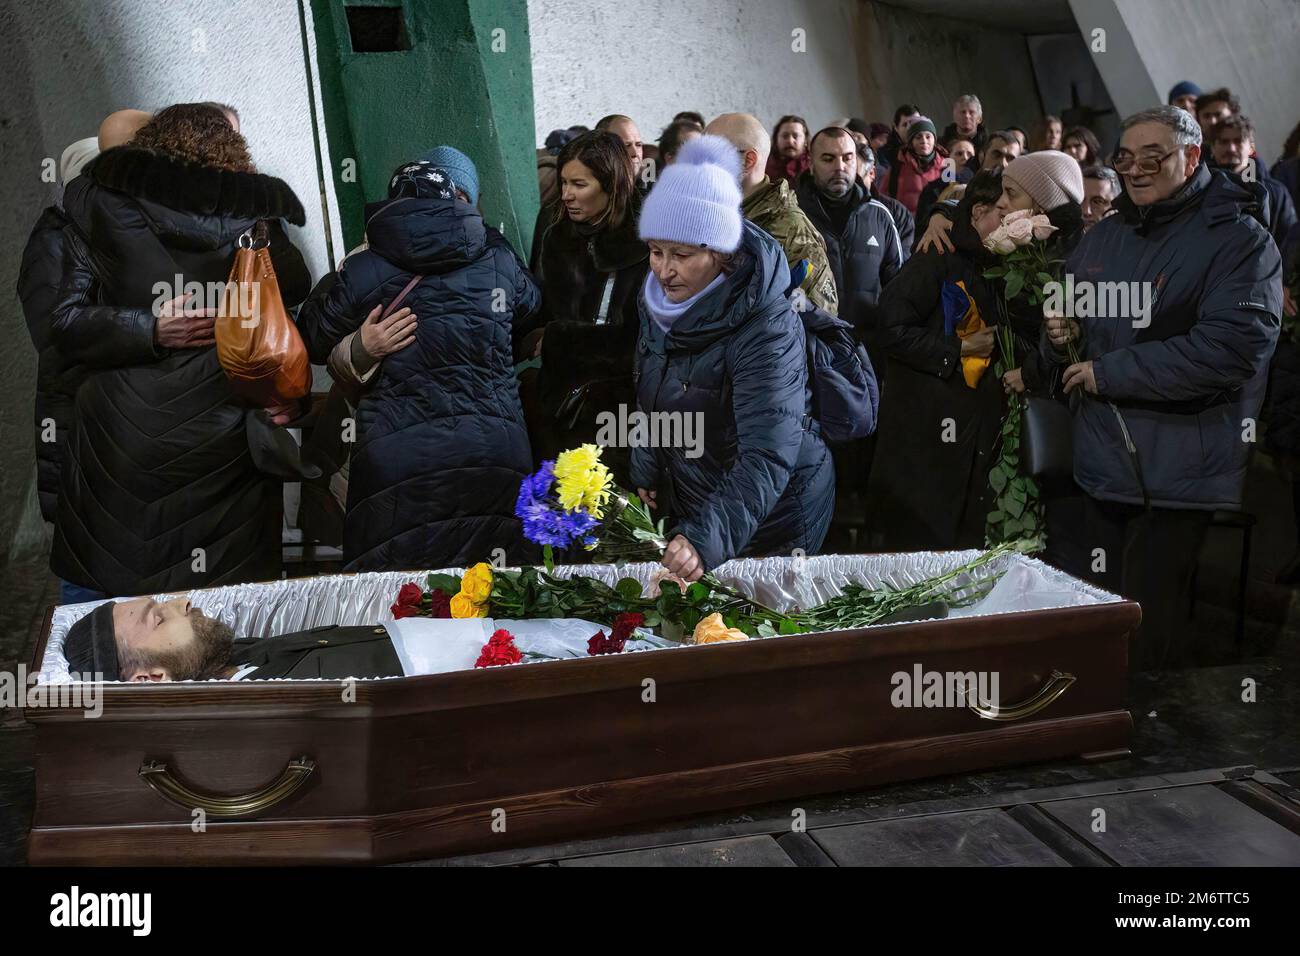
(573, 501)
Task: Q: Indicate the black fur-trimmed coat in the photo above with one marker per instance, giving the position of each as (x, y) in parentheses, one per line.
(580, 358)
(158, 489)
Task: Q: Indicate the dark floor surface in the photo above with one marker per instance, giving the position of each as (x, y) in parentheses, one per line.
(1187, 722)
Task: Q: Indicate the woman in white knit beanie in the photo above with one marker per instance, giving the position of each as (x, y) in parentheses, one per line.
(720, 347)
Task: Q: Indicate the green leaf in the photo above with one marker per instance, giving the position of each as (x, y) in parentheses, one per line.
(1014, 508)
(1015, 282)
(995, 517)
(628, 588)
(1045, 278)
(697, 592)
(449, 584)
(998, 480)
(789, 627)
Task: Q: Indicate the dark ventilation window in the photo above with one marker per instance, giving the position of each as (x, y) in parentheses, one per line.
(377, 29)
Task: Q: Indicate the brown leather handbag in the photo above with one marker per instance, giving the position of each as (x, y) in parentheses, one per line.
(257, 343)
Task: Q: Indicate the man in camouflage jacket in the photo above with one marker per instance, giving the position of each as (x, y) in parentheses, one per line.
(774, 208)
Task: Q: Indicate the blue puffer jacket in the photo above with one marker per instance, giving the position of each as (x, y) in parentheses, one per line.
(1185, 384)
(441, 444)
(764, 483)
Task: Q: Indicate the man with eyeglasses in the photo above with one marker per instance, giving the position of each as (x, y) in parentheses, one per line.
(1171, 373)
(1100, 190)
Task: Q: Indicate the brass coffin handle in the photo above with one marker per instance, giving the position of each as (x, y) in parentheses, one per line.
(1056, 685)
(215, 805)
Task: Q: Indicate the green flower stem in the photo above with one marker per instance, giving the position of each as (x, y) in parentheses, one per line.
(862, 608)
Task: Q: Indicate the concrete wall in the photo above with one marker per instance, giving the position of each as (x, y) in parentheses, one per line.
(650, 60)
(67, 63)
(910, 57)
(1250, 48)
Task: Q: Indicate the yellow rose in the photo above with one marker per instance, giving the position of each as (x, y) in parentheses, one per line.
(462, 606)
(711, 630)
(477, 583)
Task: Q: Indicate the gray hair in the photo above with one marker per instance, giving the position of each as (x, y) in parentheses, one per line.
(969, 99)
(1106, 175)
(1187, 132)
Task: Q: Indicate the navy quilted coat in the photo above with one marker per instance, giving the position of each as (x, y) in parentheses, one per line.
(441, 445)
(1187, 381)
(764, 483)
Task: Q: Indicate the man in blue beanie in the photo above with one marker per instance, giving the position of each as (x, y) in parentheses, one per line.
(1183, 95)
(461, 169)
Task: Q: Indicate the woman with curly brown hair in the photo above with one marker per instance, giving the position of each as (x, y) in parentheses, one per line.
(200, 133)
(159, 489)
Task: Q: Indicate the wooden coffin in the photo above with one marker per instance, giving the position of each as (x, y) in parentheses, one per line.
(422, 767)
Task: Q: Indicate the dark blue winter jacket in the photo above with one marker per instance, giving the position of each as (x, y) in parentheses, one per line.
(1188, 385)
(764, 483)
(441, 445)
(1287, 172)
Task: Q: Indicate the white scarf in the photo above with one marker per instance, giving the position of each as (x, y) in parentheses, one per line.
(665, 313)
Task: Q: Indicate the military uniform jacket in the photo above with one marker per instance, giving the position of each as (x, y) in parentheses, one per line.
(773, 208)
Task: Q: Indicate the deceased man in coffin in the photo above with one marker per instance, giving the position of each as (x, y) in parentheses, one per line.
(149, 640)
(414, 772)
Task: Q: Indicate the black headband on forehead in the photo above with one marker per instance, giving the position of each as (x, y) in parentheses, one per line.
(91, 644)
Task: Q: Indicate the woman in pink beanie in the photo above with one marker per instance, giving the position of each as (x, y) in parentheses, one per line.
(1041, 181)
(1050, 182)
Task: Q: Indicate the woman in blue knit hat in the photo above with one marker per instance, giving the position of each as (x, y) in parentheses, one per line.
(441, 445)
(721, 350)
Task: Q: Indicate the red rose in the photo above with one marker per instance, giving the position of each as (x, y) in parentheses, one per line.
(600, 644)
(439, 603)
(500, 649)
(408, 601)
(624, 625)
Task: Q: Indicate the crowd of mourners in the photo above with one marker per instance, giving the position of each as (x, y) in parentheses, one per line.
(698, 276)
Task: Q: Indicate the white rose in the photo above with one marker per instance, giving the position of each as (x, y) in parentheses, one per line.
(1042, 227)
(1002, 245)
(1020, 231)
